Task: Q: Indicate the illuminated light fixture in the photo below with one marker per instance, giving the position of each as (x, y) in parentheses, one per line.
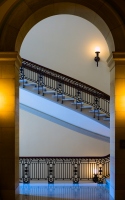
(97, 51)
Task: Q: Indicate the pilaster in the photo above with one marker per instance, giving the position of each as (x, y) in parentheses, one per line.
(9, 124)
(116, 64)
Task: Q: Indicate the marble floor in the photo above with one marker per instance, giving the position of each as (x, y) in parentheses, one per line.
(64, 191)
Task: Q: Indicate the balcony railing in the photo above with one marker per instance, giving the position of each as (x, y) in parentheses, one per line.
(63, 168)
(65, 85)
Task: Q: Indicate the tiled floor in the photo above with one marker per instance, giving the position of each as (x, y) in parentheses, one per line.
(65, 191)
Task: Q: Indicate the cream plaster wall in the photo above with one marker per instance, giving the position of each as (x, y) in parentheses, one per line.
(41, 137)
(66, 43)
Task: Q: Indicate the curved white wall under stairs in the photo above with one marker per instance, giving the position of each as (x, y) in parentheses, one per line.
(62, 113)
(43, 135)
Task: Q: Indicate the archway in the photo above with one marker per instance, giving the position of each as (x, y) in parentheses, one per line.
(22, 16)
(19, 31)
(59, 8)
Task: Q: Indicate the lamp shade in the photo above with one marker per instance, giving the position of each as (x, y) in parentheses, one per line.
(97, 49)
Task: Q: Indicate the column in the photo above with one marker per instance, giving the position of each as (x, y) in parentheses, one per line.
(9, 125)
(116, 63)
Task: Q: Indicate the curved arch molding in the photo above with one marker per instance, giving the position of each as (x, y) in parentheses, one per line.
(23, 15)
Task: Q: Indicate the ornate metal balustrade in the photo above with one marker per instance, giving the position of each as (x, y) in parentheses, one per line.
(65, 85)
(63, 168)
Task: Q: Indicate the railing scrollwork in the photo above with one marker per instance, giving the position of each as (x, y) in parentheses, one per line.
(59, 89)
(50, 164)
(65, 85)
(26, 170)
(63, 168)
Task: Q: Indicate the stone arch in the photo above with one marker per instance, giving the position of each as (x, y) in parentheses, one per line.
(24, 16)
(71, 9)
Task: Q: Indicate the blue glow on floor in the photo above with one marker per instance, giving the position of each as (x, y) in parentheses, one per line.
(38, 191)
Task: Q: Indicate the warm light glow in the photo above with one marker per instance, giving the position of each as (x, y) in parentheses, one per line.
(95, 171)
(120, 102)
(97, 49)
(1, 101)
(7, 102)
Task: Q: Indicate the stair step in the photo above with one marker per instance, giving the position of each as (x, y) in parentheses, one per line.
(86, 107)
(49, 92)
(21, 81)
(40, 88)
(106, 119)
(30, 84)
(92, 111)
(68, 99)
(101, 115)
(59, 95)
(78, 103)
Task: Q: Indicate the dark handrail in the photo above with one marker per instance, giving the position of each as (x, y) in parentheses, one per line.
(75, 157)
(65, 85)
(65, 79)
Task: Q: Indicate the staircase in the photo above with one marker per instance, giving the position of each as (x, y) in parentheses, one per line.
(65, 90)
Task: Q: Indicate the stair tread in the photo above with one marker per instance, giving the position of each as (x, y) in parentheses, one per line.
(68, 99)
(92, 111)
(49, 92)
(77, 103)
(29, 84)
(101, 114)
(59, 95)
(40, 88)
(106, 119)
(21, 81)
(86, 107)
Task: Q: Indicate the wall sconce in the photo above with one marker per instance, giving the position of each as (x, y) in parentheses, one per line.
(97, 51)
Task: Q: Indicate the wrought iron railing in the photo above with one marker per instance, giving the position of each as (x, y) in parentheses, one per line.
(62, 84)
(63, 168)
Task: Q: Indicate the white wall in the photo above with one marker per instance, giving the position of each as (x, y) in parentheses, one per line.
(40, 137)
(66, 43)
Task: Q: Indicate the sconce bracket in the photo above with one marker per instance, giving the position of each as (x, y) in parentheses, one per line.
(97, 59)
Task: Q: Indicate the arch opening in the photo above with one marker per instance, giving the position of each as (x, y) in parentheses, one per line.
(65, 8)
(66, 44)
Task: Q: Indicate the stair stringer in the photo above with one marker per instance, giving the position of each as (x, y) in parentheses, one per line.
(63, 114)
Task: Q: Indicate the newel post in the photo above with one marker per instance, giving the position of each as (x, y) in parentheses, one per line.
(10, 63)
